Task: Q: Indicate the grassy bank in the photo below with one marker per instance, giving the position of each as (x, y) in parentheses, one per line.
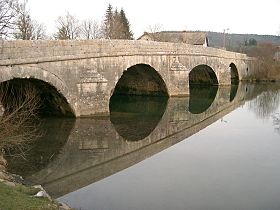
(20, 197)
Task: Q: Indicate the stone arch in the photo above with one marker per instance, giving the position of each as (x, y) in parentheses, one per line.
(234, 76)
(203, 75)
(141, 79)
(49, 86)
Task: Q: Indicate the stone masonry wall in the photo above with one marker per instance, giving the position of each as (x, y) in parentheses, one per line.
(20, 52)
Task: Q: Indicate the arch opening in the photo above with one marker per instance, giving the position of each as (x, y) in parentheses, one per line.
(141, 79)
(202, 75)
(233, 74)
(234, 81)
(30, 93)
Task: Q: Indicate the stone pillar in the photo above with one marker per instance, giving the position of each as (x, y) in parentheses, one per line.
(94, 99)
(179, 78)
(224, 76)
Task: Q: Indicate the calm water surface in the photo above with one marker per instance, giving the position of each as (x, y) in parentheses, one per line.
(185, 153)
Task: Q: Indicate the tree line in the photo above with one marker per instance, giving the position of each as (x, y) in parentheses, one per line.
(16, 23)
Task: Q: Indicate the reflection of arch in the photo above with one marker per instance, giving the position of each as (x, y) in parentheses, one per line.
(233, 91)
(141, 79)
(233, 73)
(135, 117)
(52, 102)
(202, 74)
(201, 98)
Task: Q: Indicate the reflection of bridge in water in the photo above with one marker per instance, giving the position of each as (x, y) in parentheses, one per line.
(95, 150)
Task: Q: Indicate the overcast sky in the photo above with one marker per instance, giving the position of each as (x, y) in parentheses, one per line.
(240, 16)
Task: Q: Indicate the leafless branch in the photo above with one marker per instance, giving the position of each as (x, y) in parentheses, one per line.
(8, 13)
(89, 29)
(17, 123)
(67, 27)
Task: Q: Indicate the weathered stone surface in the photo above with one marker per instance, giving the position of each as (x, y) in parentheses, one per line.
(86, 72)
(3, 162)
(4, 176)
(1, 111)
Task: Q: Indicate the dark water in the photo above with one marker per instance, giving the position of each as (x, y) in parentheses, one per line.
(217, 149)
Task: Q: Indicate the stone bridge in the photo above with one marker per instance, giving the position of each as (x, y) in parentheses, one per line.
(79, 77)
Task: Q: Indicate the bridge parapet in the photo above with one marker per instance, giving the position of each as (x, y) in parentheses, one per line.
(22, 52)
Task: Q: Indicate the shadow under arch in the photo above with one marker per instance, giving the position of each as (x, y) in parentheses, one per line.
(135, 117)
(202, 75)
(52, 102)
(141, 79)
(234, 81)
(233, 73)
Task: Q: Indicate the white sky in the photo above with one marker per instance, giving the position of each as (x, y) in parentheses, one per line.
(240, 16)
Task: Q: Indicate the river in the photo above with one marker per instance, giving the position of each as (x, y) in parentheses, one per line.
(219, 148)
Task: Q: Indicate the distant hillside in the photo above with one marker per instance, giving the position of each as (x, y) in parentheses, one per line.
(234, 41)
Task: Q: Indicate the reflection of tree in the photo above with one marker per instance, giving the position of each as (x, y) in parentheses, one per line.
(276, 122)
(265, 104)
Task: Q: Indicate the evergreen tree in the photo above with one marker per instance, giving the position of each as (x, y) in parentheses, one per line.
(108, 22)
(62, 34)
(116, 25)
(126, 31)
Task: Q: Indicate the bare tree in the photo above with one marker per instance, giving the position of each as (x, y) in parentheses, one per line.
(89, 29)
(21, 107)
(266, 104)
(25, 27)
(154, 31)
(67, 27)
(8, 12)
(39, 30)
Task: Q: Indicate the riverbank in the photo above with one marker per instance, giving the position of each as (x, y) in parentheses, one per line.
(16, 196)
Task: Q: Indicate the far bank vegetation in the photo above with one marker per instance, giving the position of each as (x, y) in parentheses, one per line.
(268, 63)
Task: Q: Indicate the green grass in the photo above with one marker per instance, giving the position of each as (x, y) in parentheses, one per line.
(21, 198)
